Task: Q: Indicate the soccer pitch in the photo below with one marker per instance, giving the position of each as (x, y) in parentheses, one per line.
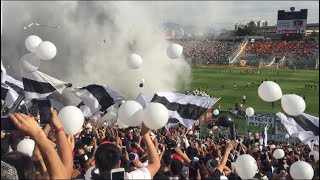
(209, 79)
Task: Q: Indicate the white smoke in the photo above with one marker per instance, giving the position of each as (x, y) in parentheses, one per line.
(93, 44)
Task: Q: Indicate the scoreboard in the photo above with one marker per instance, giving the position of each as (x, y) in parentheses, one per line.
(294, 22)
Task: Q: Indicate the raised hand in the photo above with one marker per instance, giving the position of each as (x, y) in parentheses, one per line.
(26, 124)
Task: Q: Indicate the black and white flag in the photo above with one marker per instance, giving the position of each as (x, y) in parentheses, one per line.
(172, 122)
(186, 108)
(16, 85)
(143, 100)
(8, 95)
(38, 85)
(97, 97)
(305, 126)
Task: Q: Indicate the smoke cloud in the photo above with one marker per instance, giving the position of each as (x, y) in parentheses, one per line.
(93, 44)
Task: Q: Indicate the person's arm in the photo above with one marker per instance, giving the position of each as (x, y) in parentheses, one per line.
(63, 146)
(282, 173)
(30, 127)
(162, 151)
(183, 155)
(224, 159)
(90, 160)
(153, 157)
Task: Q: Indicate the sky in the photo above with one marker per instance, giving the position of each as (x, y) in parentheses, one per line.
(224, 14)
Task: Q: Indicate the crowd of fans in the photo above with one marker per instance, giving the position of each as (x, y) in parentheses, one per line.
(300, 54)
(144, 154)
(209, 52)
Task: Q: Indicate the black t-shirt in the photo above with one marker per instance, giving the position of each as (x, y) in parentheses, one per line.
(87, 139)
(215, 175)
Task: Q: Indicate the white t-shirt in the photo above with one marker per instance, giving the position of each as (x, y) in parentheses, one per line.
(142, 173)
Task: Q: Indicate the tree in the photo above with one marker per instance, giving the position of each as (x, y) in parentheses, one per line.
(248, 30)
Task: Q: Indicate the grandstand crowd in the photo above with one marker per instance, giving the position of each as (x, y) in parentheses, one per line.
(298, 54)
(163, 154)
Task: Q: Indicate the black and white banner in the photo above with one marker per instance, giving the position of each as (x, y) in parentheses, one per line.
(143, 100)
(97, 97)
(8, 95)
(186, 108)
(172, 122)
(16, 85)
(38, 85)
(305, 126)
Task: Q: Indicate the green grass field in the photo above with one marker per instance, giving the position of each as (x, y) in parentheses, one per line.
(209, 79)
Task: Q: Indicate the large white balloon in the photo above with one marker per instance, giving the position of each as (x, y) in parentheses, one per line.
(246, 166)
(46, 50)
(315, 154)
(134, 61)
(278, 154)
(32, 42)
(126, 110)
(137, 118)
(174, 51)
(26, 146)
(293, 104)
(72, 119)
(216, 112)
(121, 125)
(301, 170)
(156, 116)
(29, 62)
(269, 91)
(249, 111)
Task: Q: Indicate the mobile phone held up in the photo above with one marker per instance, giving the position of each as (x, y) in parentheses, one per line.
(117, 174)
(123, 150)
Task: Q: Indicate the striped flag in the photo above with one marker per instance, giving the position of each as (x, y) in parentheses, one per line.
(85, 110)
(172, 122)
(38, 85)
(16, 85)
(97, 97)
(8, 95)
(10, 88)
(143, 100)
(305, 126)
(186, 108)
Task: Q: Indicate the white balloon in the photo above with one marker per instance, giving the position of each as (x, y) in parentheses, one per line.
(72, 119)
(301, 170)
(287, 136)
(156, 115)
(121, 125)
(126, 110)
(269, 91)
(29, 62)
(249, 111)
(174, 51)
(46, 50)
(26, 146)
(210, 132)
(190, 132)
(137, 118)
(216, 112)
(246, 166)
(293, 104)
(32, 42)
(315, 154)
(278, 154)
(134, 61)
